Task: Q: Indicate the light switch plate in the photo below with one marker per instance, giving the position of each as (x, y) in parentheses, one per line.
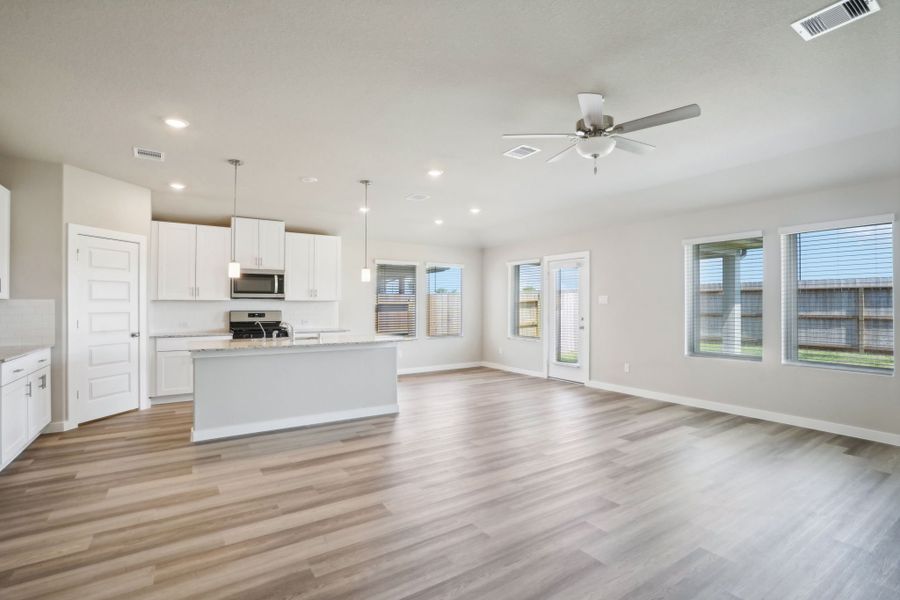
(602, 299)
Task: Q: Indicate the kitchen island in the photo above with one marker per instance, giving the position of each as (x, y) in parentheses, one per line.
(251, 386)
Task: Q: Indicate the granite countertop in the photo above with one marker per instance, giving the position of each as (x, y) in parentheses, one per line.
(258, 344)
(13, 352)
(176, 334)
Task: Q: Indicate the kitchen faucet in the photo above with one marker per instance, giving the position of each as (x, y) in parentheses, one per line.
(262, 328)
(291, 328)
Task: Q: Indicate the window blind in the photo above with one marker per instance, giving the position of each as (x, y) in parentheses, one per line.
(526, 300)
(444, 300)
(724, 288)
(838, 297)
(395, 302)
(568, 315)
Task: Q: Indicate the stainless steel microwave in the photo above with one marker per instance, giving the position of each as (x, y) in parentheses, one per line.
(258, 284)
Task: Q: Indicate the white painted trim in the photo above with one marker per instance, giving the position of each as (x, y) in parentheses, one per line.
(728, 237)
(73, 231)
(507, 368)
(874, 435)
(400, 263)
(433, 368)
(213, 433)
(156, 400)
(530, 261)
(59, 426)
(841, 224)
(510, 267)
(445, 265)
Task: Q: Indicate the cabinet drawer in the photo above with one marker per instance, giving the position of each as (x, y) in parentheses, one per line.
(24, 365)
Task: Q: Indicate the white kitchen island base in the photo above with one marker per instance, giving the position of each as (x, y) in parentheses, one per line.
(250, 387)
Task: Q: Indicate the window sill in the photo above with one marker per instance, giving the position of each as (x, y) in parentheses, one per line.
(842, 368)
(728, 357)
(523, 338)
(443, 337)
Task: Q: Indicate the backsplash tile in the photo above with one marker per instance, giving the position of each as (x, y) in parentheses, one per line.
(27, 322)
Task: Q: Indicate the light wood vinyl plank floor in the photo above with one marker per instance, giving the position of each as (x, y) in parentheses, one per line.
(486, 485)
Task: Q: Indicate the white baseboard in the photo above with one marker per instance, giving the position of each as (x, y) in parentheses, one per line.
(214, 433)
(499, 367)
(873, 435)
(433, 368)
(154, 400)
(59, 426)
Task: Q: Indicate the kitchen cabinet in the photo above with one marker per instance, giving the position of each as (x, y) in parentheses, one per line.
(24, 402)
(258, 243)
(173, 364)
(191, 261)
(312, 268)
(4, 242)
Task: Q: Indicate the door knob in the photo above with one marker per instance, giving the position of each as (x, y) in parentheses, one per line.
(135, 334)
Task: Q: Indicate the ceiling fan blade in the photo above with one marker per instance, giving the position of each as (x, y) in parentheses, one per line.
(629, 145)
(561, 153)
(670, 116)
(537, 135)
(591, 109)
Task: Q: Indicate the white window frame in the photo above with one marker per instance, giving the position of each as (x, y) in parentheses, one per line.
(512, 296)
(462, 271)
(690, 308)
(401, 263)
(788, 325)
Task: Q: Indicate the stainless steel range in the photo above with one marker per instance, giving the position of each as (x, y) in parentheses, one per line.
(249, 324)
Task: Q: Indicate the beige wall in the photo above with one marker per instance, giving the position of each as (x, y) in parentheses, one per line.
(37, 250)
(99, 201)
(640, 267)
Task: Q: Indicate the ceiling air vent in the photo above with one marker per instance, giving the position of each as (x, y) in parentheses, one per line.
(521, 152)
(834, 16)
(148, 154)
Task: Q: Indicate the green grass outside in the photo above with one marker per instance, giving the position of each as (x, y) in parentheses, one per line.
(855, 359)
(568, 357)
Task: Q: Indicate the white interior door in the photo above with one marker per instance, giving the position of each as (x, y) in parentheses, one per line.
(104, 346)
(567, 303)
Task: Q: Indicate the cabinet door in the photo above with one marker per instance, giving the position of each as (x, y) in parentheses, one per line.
(327, 278)
(4, 242)
(39, 401)
(245, 240)
(13, 419)
(298, 264)
(213, 256)
(175, 261)
(271, 245)
(174, 373)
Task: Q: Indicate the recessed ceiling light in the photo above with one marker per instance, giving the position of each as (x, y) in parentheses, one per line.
(309, 179)
(474, 210)
(176, 123)
(435, 173)
(363, 209)
(177, 186)
(418, 197)
(438, 221)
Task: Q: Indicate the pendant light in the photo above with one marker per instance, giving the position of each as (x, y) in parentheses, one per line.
(365, 275)
(234, 267)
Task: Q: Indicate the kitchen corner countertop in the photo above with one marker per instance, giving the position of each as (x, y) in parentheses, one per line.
(337, 339)
(13, 352)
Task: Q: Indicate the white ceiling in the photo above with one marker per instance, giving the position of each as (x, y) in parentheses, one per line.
(386, 90)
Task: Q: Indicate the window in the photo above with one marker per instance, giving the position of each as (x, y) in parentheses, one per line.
(525, 295)
(395, 302)
(723, 290)
(839, 295)
(444, 300)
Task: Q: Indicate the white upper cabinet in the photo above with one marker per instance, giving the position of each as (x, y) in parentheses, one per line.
(258, 243)
(312, 267)
(327, 260)
(271, 245)
(213, 256)
(176, 266)
(298, 264)
(191, 261)
(4, 243)
(245, 238)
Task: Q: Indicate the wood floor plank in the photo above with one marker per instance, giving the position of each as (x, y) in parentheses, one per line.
(486, 485)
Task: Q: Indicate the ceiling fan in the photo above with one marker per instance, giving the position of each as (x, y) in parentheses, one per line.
(596, 135)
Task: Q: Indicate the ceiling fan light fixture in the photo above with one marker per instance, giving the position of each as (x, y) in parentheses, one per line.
(595, 147)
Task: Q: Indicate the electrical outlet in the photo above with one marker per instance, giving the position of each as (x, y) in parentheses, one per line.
(602, 300)
(627, 367)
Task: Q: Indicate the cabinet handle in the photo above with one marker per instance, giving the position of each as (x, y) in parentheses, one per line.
(43, 382)
(198, 292)
(18, 370)
(28, 393)
(42, 360)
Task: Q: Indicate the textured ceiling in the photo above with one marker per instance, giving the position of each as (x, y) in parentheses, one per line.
(386, 90)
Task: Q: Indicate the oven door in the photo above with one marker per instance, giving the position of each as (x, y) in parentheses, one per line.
(258, 285)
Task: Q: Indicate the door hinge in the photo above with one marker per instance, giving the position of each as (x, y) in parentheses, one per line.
(77, 254)
(77, 394)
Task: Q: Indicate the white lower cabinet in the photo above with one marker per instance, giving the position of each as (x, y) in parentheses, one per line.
(24, 402)
(174, 366)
